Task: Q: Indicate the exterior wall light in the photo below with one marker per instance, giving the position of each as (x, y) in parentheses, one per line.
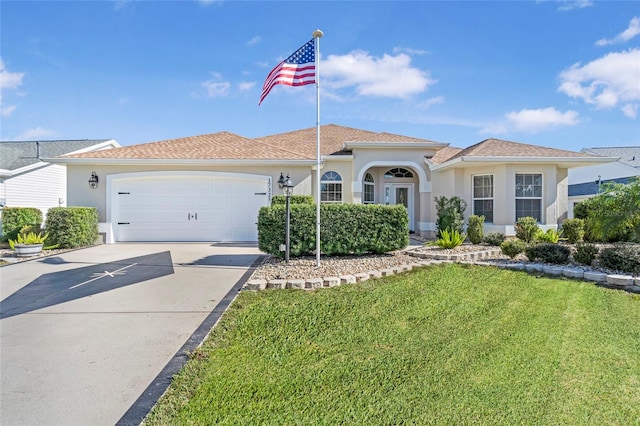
(93, 180)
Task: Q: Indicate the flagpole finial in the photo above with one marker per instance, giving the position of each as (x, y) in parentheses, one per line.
(317, 34)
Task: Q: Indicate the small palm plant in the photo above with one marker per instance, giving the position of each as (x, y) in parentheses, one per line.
(30, 238)
(449, 239)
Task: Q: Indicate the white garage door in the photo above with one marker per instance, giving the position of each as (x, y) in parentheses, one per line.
(187, 206)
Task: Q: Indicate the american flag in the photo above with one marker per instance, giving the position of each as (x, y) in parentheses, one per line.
(298, 69)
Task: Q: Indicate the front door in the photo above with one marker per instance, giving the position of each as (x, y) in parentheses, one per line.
(400, 193)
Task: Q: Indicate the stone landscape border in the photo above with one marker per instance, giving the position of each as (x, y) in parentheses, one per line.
(614, 281)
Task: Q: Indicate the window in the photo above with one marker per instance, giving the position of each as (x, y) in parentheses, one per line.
(483, 197)
(368, 193)
(331, 188)
(398, 172)
(529, 196)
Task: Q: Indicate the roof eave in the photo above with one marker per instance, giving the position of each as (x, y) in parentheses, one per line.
(569, 162)
(348, 145)
(173, 161)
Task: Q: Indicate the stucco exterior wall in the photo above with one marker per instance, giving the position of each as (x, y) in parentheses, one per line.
(459, 182)
(79, 193)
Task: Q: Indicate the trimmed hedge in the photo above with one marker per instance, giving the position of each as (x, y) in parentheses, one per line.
(345, 229)
(526, 229)
(548, 253)
(277, 200)
(475, 229)
(622, 257)
(71, 227)
(15, 218)
(573, 230)
(494, 238)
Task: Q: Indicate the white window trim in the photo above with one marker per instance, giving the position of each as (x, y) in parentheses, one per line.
(341, 182)
(364, 186)
(473, 197)
(541, 197)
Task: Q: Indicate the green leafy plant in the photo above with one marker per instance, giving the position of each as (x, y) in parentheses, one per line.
(585, 253)
(622, 257)
(550, 236)
(28, 239)
(573, 230)
(526, 229)
(475, 229)
(449, 240)
(494, 239)
(548, 253)
(613, 215)
(450, 214)
(71, 227)
(512, 248)
(14, 219)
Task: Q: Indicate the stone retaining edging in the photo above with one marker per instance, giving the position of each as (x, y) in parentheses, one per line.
(613, 281)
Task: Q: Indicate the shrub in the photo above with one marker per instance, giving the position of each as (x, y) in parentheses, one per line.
(526, 229)
(293, 199)
(494, 239)
(346, 229)
(550, 236)
(613, 215)
(71, 227)
(573, 230)
(512, 248)
(585, 253)
(548, 253)
(449, 240)
(622, 257)
(15, 218)
(450, 214)
(475, 228)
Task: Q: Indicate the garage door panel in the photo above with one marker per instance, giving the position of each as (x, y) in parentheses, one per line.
(199, 207)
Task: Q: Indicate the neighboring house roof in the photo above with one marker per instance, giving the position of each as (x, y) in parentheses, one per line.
(629, 155)
(592, 188)
(15, 155)
(497, 150)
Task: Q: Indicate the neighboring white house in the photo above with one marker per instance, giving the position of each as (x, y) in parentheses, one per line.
(586, 182)
(211, 187)
(28, 181)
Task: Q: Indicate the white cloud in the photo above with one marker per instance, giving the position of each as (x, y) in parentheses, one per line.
(35, 133)
(7, 110)
(632, 31)
(255, 40)
(8, 81)
(209, 2)
(567, 5)
(605, 82)
(429, 102)
(409, 50)
(246, 85)
(388, 76)
(630, 110)
(533, 121)
(216, 89)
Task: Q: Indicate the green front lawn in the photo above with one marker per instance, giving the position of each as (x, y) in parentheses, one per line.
(443, 345)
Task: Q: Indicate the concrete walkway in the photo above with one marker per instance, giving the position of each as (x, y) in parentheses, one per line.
(91, 337)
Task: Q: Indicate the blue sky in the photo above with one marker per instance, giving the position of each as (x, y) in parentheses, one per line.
(562, 74)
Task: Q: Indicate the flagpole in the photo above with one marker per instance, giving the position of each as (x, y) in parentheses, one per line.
(317, 34)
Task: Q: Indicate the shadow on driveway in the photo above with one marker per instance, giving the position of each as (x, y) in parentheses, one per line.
(64, 286)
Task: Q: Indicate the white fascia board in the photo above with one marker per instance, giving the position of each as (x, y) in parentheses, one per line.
(111, 143)
(6, 173)
(564, 161)
(393, 145)
(337, 157)
(174, 161)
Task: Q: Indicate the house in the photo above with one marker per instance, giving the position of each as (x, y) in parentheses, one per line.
(586, 182)
(211, 187)
(28, 181)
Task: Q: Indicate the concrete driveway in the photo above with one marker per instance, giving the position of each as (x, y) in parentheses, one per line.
(92, 337)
